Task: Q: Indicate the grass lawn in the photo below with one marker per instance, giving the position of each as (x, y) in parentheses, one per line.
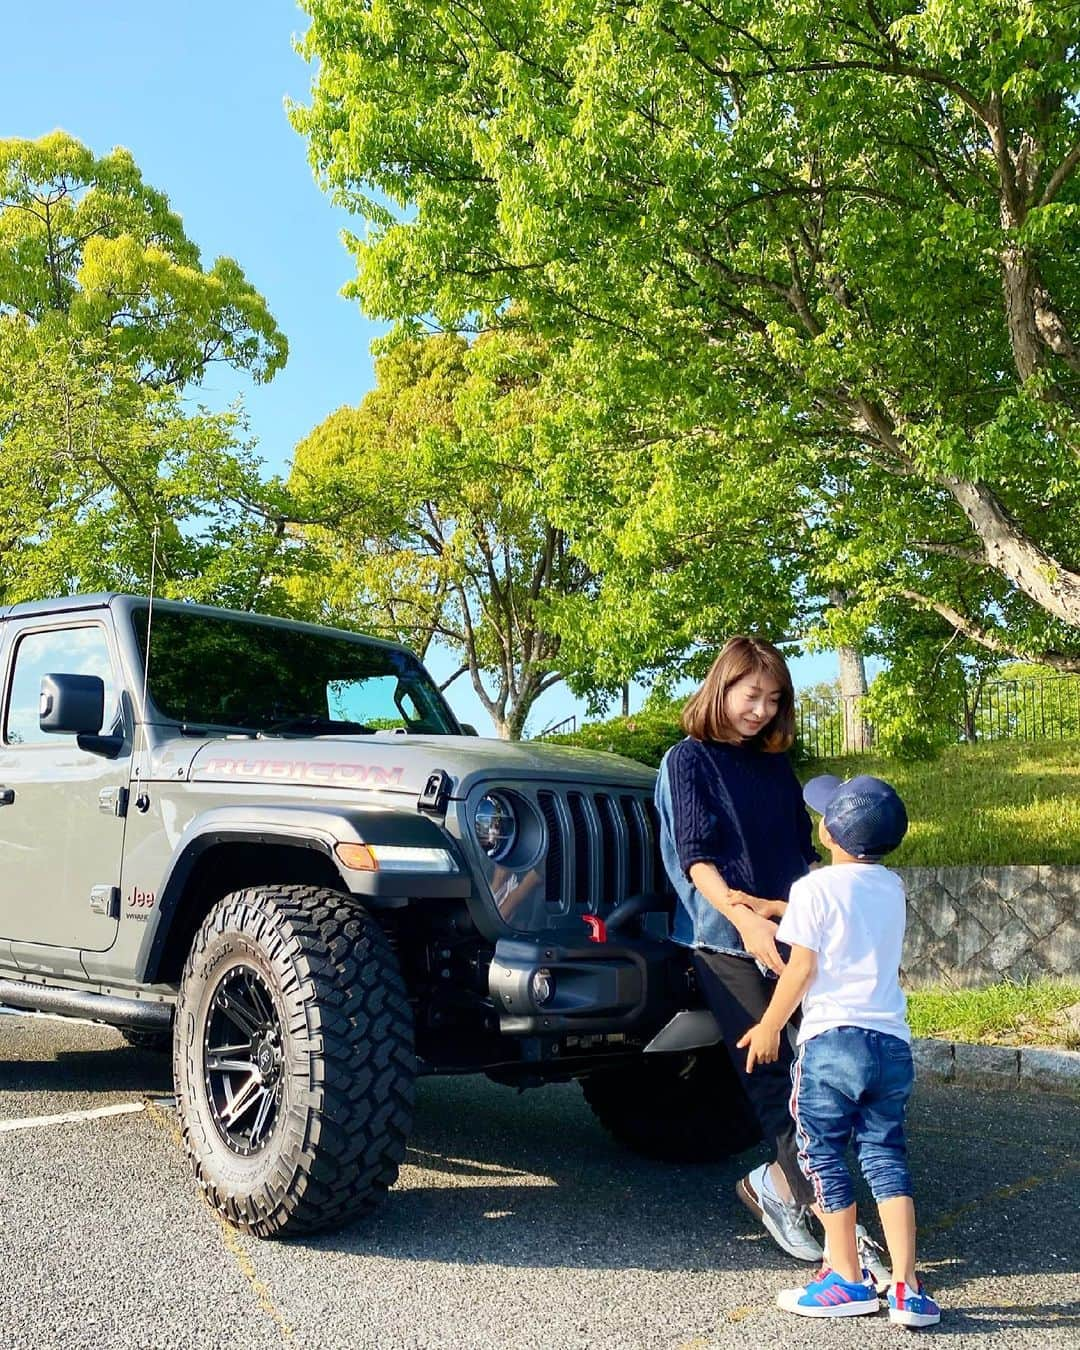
(1007, 802)
(1004, 802)
(1000, 1014)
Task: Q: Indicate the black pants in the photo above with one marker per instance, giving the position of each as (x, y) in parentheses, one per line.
(738, 995)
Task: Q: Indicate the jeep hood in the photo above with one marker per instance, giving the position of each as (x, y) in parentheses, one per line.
(400, 763)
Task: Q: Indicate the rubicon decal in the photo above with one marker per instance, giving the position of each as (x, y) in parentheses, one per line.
(301, 771)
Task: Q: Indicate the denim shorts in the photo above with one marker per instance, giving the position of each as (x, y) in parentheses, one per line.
(850, 1083)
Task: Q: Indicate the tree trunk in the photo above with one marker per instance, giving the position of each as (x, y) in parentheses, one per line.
(1018, 283)
(970, 731)
(857, 734)
(515, 722)
(1011, 553)
(626, 699)
(1036, 327)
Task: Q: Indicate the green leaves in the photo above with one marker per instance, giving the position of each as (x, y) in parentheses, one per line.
(107, 316)
(806, 278)
(90, 248)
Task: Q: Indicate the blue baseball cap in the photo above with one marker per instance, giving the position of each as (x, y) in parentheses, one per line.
(864, 814)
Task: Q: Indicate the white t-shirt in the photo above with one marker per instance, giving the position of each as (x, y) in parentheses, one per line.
(852, 915)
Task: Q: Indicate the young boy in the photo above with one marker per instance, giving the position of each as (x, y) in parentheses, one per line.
(853, 1075)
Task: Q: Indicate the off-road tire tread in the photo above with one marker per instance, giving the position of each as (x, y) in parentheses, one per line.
(358, 1043)
(656, 1110)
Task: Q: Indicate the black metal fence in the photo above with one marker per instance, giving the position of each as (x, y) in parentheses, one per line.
(999, 710)
(830, 727)
(1027, 710)
(566, 727)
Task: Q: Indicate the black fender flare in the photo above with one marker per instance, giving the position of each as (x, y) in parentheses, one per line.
(319, 829)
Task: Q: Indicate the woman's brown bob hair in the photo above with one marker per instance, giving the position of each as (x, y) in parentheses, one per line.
(703, 715)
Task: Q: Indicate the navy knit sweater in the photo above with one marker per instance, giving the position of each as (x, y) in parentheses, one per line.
(741, 809)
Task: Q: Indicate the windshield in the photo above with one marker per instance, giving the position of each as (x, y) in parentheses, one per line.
(207, 671)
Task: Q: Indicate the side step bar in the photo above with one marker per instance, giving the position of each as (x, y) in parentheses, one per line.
(116, 1012)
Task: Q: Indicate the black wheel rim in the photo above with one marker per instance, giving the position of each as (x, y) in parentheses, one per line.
(242, 1060)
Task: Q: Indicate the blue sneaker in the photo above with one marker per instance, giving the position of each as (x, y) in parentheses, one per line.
(830, 1296)
(912, 1308)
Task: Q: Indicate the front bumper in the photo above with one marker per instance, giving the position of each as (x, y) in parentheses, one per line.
(629, 985)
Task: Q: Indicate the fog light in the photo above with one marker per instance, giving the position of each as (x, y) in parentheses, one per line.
(542, 987)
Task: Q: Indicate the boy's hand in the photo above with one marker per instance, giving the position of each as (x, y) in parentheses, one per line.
(763, 1043)
(768, 909)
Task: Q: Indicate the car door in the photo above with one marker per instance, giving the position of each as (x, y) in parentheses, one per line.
(61, 807)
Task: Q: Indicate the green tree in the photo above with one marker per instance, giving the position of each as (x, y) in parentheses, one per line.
(107, 318)
(432, 525)
(817, 256)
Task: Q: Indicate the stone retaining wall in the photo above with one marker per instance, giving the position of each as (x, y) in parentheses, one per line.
(976, 925)
(1005, 1066)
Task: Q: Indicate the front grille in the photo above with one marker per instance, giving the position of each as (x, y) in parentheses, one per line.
(602, 847)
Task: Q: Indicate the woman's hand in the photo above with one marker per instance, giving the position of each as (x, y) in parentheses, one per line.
(763, 1043)
(757, 931)
(758, 937)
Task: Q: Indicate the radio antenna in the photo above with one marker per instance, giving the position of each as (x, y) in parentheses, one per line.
(149, 623)
(143, 801)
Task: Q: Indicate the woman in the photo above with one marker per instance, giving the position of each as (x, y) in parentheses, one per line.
(734, 836)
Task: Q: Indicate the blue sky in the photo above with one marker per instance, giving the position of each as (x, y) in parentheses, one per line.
(196, 92)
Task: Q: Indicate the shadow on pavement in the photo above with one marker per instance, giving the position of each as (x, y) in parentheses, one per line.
(30, 1062)
(973, 1319)
(492, 1177)
(497, 1178)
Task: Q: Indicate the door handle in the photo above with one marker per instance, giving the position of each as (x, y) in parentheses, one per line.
(7, 796)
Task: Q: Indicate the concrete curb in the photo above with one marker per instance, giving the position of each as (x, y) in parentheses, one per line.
(998, 1066)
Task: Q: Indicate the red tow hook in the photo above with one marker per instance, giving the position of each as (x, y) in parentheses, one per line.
(596, 926)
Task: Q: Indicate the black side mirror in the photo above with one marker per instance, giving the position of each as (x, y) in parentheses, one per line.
(468, 729)
(72, 704)
(75, 704)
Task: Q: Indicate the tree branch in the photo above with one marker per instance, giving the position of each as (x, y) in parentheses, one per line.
(447, 683)
(1058, 177)
(989, 638)
(967, 555)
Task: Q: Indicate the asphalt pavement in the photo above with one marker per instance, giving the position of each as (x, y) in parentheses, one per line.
(515, 1223)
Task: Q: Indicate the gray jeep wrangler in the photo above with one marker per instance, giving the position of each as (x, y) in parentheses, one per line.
(273, 847)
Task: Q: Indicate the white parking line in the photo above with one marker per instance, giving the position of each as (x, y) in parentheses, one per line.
(68, 1117)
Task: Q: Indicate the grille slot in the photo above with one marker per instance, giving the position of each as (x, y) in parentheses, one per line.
(637, 849)
(553, 862)
(609, 847)
(656, 878)
(582, 850)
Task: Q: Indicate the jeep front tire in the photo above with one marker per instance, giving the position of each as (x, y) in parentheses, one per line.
(293, 1060)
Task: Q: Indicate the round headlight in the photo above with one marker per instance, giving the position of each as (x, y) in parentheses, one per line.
(495, 825)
